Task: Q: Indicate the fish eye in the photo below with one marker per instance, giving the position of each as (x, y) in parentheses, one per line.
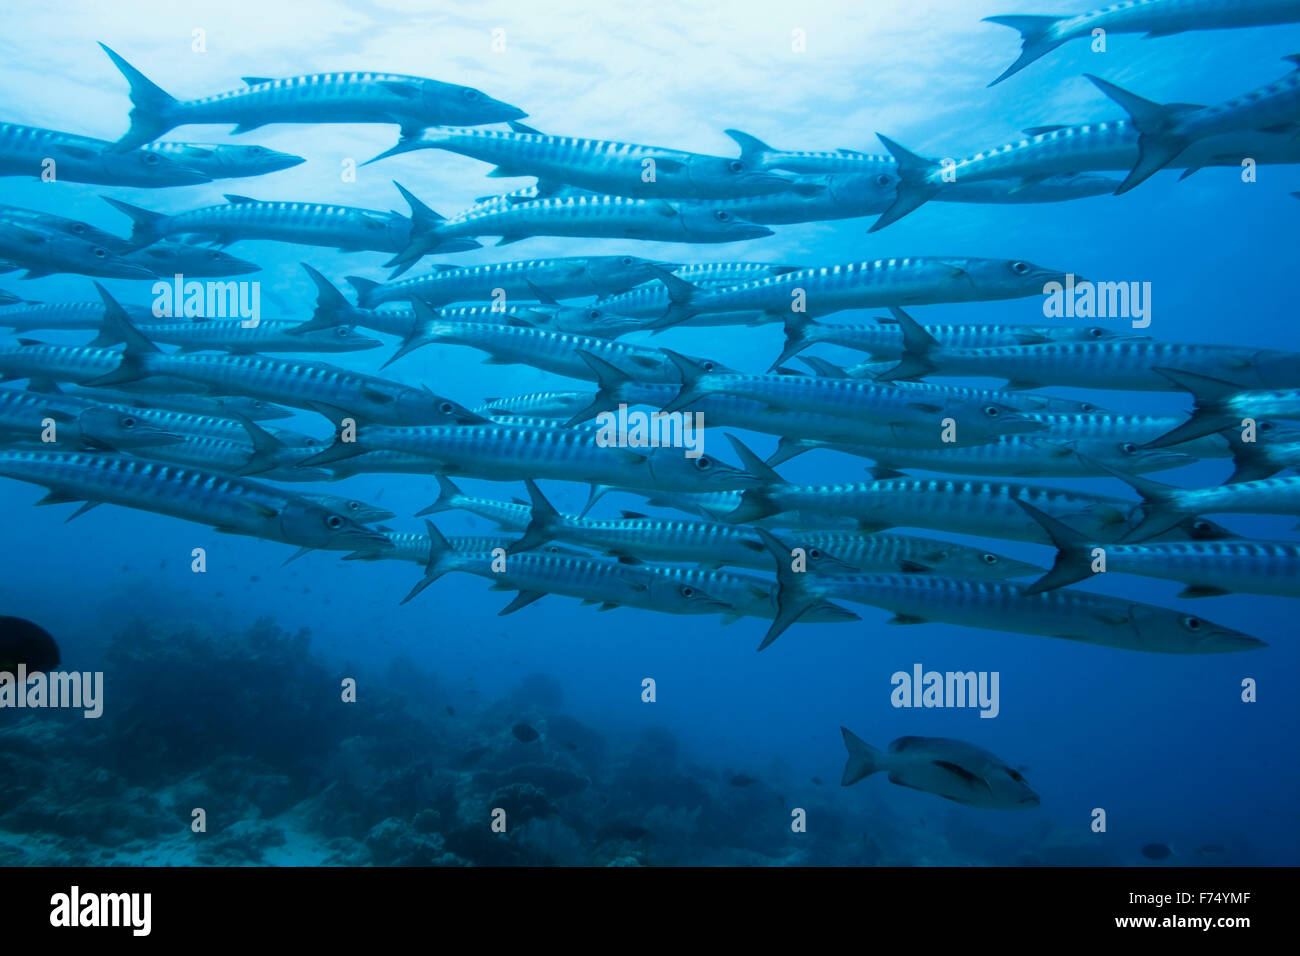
(721, 215)
(258, 403)
(627, 260)
(707, 366)
(814, 553)
(594, 314)
(446, 407)
(257, 150)
(992, 411)
(1087, 407)
(471, 94)
(334, 522)
(1192, 623)
(343, 332)
(1015, 775)
(127, 422)
(101, 254)
(736, 166)
(1020, 268)
(989, 558)
(354, 506)
(1265, 426)
(882, 180)
(703, 463)
(79, 228)
(1129, 448)
(687, 591)
(1096, 332)
(150, 159)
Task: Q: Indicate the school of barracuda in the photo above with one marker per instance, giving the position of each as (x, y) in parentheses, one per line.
(175, 416)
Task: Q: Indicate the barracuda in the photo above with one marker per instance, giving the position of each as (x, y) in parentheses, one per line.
(230, 457)
(1257, 459)
(1114, 364)
(219, 335)
(1207, 568)
(1005, 607)
(863, 285)
(882, 170)
(1221, 405)
(1166, 506)
(1040, 35)
(884, 339)
(1166, 131)
(411, 102)
(561, 278)
(27, 150)
(78, 422)
(163, 258)
(78, 364)
(922, 420)
(46, 253)
(216, 406)
(558, 406)
(602, 166)
(1060, 452)
(66, 316)
(332, 310)
(509, 451)
(559, 352)
(345, 228)
(612, 217)
(984, 508)
(1046, 150)
(233, 505)
(310, 385)
(224, 161)
(713, 544)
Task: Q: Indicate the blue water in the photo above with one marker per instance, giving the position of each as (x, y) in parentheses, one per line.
(1163, 744)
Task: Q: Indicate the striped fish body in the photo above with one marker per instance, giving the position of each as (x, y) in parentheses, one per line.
(62, 316)
(231, 504)
(231, 456)
(75, 363)
(615, 217)
(29, 151)
(266, 336)
(1214, 567)
(1070, 615)
(224, 161)
(46, 253)
(613, 168)
(345, 228)
(68, 423)
(561, 278)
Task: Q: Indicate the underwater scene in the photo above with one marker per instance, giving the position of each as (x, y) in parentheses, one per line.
(744, 434)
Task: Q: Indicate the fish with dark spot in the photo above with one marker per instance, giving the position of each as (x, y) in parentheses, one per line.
(524, 733)
(22, 642)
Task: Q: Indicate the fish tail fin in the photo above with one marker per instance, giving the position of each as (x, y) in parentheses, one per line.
(363, 288)
(541, 524)
(1035, 40)
(405, 144)
(332, 309)
(864, 759)
(792, 597)
(1071, 552)
(1208, 415)
(914, 188)
(796, 337)
(267, 449)
(680, 295)
(1250, 463)
(691, 372)
(787, 448)
(338, 451)
(610, 383)
(423, 331)
(752, 149)
(918, 344)
(118, 326)
(440, 553)
(424, 233)
(145, 223)
(1157, 145)
(753, 464)
(448, 492)
(150, 107)
(1160, 502)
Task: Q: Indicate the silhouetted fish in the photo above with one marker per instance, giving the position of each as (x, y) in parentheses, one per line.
(525, 733)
